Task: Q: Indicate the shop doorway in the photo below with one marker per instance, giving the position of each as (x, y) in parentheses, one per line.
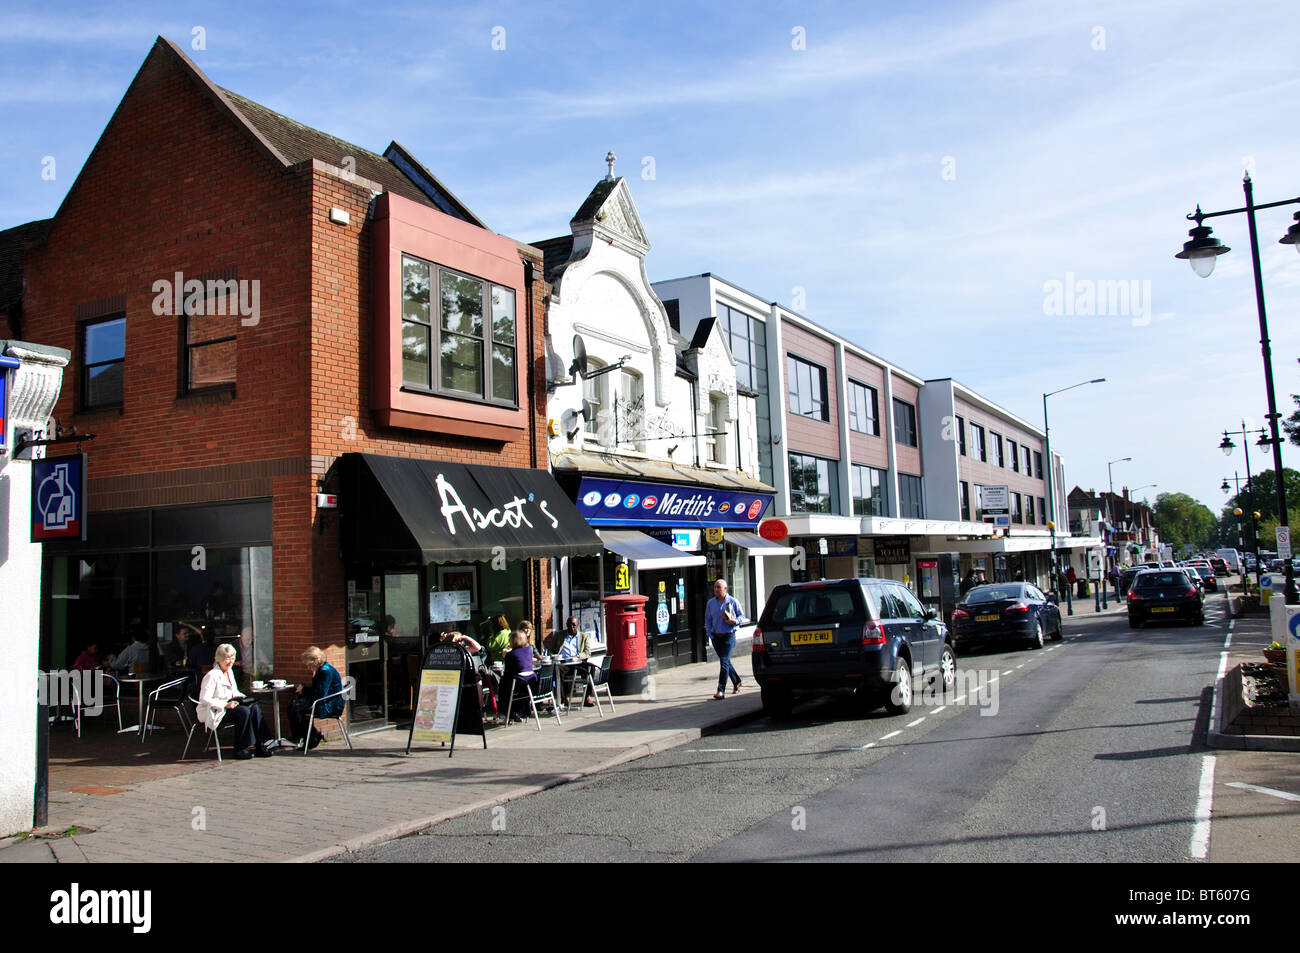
(671, 616)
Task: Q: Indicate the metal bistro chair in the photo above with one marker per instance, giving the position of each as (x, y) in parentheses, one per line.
(212, 737)
(175, 700)
(597, 681)
(545, 693)
(115, 704)
(349, 690)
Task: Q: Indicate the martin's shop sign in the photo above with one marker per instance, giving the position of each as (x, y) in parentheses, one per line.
(633, 503)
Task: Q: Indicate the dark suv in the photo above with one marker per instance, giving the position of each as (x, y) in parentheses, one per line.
(869, 635)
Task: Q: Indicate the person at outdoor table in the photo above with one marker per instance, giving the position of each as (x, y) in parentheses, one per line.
(220, 698)
(134, 654)
(325, 681)
(499, 644)
(573, 644)
(518, 668)
(88, 660)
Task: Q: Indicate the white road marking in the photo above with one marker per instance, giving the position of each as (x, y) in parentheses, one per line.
(939, 709)
(1223, 665)
(1020, 666)
(1259, 790)
(1052, 649)
(1200, 843)
(1007, 672)
(913, 724)
(710, 750)
(892, 734)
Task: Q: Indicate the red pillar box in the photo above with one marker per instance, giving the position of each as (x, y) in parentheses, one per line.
(625, 639)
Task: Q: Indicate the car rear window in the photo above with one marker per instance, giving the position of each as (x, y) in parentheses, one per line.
(1155, 580)
(807, 605)
(995, 593)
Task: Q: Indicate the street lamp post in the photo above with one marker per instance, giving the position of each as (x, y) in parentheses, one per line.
(1227, 446)
(1110, 496)
(1200, 252)
(1051, 497)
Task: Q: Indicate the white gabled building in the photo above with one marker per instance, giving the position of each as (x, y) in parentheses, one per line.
(655, 440)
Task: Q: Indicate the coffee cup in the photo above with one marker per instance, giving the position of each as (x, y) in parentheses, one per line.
(259, 685)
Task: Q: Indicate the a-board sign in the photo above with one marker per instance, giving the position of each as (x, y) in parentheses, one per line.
(447, 698)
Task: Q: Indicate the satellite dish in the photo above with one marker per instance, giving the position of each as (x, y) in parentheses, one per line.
(579, 365)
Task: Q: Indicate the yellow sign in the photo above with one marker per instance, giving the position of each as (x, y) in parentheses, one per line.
(435, 707)
(713, 535)
(622, 581)
(663, 586)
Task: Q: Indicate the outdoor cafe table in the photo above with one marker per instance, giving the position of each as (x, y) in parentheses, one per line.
(140, 681)
(275, 706)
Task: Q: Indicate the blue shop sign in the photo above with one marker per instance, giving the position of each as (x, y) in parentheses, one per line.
(605, 502)
(59, 498)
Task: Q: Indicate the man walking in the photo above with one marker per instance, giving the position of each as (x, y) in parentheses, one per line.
(722, 617)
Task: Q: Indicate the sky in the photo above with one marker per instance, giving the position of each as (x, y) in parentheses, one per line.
(942, 183)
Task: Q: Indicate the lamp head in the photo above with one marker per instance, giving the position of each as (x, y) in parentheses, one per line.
(1201, 250)
(1292, 236)
(1227, 446)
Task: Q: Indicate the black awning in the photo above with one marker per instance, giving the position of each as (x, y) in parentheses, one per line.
(402, 512)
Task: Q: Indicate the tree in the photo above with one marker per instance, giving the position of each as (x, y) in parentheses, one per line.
(1292, 424)
(1179, 519)
(1263, 495)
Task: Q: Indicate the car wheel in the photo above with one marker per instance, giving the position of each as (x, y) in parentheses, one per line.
(947, 670)
(777, 703)
(1134, 623)
(1059, 633)
(1036, 640)
(1200, 619)
(898, 701)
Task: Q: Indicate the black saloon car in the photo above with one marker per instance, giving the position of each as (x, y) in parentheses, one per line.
(1164, 595)
(1006, 612)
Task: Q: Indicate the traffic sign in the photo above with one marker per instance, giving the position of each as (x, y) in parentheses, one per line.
(1284, 542)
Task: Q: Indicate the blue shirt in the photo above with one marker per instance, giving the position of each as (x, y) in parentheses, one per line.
(715, 624)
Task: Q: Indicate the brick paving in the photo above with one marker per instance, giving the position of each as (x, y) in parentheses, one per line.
(134, 802)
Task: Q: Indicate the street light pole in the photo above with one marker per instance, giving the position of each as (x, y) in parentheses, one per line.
(1227, 447)
(1110, 495)
(1051, 496)
(1201, 251)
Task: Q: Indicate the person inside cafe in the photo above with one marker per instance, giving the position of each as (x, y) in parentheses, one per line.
(137, 653)
(177, 657)
(574, 644)
(220, 698)
(518, 669)
(325, 681)
(88, 660)
(499, 644)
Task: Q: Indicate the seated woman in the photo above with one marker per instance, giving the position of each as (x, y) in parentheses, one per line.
(518, 668)
(88, 660)
(325, 681)
(499, 644)
(219, 698)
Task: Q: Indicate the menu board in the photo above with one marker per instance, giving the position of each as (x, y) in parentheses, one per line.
(448, 698)
(449, 606)
(435, 706)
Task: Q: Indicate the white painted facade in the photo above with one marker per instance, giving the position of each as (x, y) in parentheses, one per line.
(33, 388)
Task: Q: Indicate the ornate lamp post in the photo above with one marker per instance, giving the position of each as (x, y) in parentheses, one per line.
(1201, 251)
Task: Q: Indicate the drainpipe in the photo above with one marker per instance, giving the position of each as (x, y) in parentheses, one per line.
(530, 276)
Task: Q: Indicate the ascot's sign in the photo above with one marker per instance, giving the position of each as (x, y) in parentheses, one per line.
(605, 502)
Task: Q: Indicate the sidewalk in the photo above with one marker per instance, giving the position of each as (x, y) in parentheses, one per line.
(134, 803)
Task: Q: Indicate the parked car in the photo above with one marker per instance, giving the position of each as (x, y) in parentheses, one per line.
(871, 636)
(1164, 595)
(1008, 611)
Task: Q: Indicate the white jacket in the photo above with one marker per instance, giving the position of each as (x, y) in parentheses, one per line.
(217, 689)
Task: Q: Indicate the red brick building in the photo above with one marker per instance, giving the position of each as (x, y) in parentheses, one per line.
(252, 305)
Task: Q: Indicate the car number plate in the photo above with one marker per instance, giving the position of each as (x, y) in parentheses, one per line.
(987, 618)
(816, 637)
(1162, 609)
